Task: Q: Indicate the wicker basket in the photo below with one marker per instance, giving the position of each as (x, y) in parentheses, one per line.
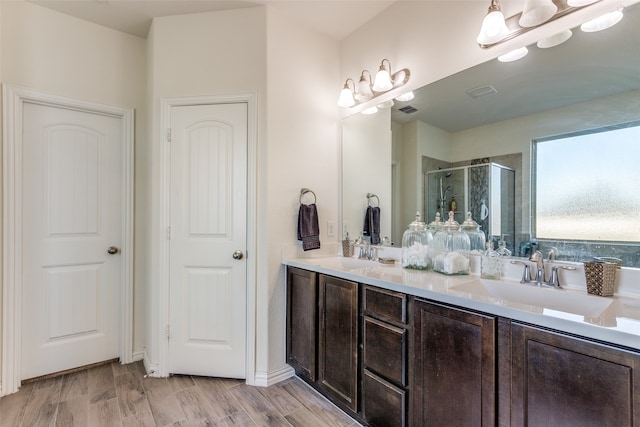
(600, 277)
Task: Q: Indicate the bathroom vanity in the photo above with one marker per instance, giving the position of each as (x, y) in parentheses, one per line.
(398, 347)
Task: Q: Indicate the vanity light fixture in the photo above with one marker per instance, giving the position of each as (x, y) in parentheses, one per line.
(386, 104)
(514, 55)
(494, 27)
(534, 14)
(346, 98)
(603, 22)
(370, 110)
(384, 81)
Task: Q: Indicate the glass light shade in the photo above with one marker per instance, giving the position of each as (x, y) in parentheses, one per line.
(382, 82)
(364, 90)
(555, 39)
(536, 12)
(580, 3)
(406, 96)
(514, 55)
(346, 97)
(386, 104)
(493, 28)
(370, 110)
(603, 22)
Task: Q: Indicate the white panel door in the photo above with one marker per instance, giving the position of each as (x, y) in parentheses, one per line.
(208, 225)
(72, 174)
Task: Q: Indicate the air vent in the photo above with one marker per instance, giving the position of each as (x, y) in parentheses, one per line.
(481, 91)
(408, 109)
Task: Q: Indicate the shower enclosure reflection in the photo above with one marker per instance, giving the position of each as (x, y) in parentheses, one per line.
(486, 190)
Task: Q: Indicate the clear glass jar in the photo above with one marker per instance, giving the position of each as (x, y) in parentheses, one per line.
(450, 249)
(415, 245)
(476, 236)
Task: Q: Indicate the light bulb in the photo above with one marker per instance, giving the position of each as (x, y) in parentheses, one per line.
(346, 96)
(493, 28)
(382, 82)
(602, 22)
(536, 12)
(406, 96)
(514, 55)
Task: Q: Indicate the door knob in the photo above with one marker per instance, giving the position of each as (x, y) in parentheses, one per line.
(238, 255)
(112, 250)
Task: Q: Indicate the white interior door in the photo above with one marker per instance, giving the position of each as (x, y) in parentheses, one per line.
(72, 214)
(207, 291)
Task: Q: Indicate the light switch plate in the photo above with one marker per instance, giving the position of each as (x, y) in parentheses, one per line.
(331, 228)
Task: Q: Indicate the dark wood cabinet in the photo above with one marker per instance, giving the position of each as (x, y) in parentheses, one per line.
(385, 358)
(302, 320)
(392, 360)
(338, 340)
(560, 380)
(454, 369)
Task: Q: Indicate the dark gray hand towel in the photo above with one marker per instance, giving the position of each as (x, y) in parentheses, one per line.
(372, 224)
(308, 229)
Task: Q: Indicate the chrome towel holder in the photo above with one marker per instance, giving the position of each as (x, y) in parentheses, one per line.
(304, 191)
(370, 196)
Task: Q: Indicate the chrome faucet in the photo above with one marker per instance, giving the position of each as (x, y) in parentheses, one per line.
(540, 275)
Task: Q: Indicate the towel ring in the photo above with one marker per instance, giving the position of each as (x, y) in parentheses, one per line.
(370, 196)
(304, 191)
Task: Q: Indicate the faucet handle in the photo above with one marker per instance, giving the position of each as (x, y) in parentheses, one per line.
(555, 278)
(526, 274)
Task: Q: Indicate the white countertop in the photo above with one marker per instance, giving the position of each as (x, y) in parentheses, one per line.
(612, 319)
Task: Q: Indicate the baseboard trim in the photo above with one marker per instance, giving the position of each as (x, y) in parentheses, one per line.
(150, 368)
(266, 379)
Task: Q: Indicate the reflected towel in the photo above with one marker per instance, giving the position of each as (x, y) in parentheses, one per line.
(372, 224)
(308, 229)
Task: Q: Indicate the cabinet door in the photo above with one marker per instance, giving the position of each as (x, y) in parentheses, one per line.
(338, 340)
(454, 370)
(560, 380)
(302, 297)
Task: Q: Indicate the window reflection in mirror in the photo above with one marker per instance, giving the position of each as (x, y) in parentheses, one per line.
(586, 197)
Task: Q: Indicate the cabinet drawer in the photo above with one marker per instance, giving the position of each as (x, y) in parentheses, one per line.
(385, 350)
(385, 305)
(383, 404)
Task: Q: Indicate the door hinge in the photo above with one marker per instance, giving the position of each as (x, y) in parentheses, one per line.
(168, 134)
(169, 232)
(168, 331)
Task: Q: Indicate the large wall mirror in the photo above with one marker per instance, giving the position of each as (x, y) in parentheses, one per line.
(494, 113)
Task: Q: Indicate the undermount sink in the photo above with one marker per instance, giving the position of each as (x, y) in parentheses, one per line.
(545, 298)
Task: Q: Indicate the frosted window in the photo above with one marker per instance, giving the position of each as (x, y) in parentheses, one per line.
(586, 185)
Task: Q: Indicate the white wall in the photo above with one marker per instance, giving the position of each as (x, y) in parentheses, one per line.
(58, 54)
(302, 151)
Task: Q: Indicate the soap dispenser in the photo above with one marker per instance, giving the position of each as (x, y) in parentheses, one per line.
(502, 247)
(415, 245)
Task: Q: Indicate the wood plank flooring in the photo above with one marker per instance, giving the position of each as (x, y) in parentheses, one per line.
(119, 395)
